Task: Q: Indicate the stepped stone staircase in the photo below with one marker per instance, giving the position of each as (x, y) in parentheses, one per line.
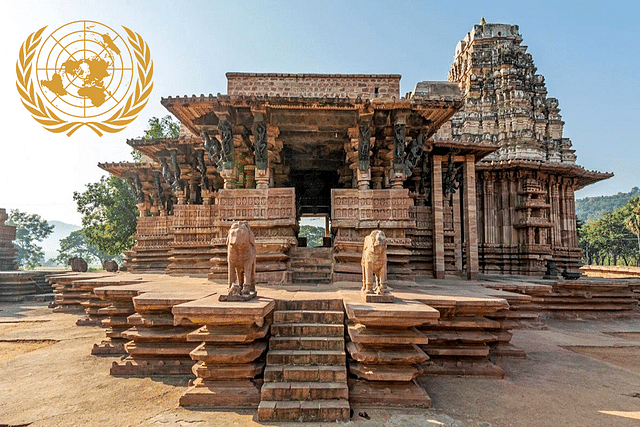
(311, 266)
(306, 375)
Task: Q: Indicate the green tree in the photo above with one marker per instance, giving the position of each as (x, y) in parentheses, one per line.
(632, 220)
(313, 234)
(76, 245)
(165, 127)
(109, 215)
(30, 229)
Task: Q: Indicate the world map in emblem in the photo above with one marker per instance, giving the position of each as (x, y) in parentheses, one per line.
(85, 69)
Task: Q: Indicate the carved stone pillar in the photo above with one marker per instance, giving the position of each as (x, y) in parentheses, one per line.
(364, 153)
(397, 174)
(470, 219)
(438, 218)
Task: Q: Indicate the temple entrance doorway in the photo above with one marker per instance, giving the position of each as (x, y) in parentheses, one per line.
(313, 203)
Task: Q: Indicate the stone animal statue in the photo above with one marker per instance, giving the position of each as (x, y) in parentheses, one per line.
(110, 265)
(374, 262)
(77, 264)
(241, 259)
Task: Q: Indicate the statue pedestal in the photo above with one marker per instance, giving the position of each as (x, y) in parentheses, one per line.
(375, 298)
(238, 298)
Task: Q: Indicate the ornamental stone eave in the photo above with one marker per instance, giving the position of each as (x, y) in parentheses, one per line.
(188, 109)
(583, 176)
(154, 147)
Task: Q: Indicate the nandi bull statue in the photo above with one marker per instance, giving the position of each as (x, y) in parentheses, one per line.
(241, 261)
(374, 263)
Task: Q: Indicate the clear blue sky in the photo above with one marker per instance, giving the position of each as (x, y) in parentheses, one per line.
(587, 51)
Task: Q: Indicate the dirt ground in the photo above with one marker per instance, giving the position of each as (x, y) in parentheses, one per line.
(577, 373)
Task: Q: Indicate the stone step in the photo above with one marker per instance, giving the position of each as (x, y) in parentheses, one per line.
(311, 262)
(308, 316)
(310, 281)
(306, 343)
(276, 373)
(302, 304)
(301, 274)
(312, 390)
(306, 357)
(307, 330)
(319, 410)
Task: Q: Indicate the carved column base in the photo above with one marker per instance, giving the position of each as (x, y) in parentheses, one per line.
(227, 175)
(364, 178)
(262, 179)
(397, 179)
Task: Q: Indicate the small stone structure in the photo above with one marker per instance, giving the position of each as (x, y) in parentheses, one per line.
(8, 252)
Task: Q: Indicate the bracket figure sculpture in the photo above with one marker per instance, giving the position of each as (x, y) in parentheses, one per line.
(374, 263)
(241, 261)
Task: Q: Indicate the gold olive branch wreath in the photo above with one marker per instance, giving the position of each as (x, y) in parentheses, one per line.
(50, 121)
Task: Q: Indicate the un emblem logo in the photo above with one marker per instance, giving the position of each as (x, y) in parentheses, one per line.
(84, 74)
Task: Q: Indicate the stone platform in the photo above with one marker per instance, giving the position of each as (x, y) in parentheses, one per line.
(15, 285)
(284, 351)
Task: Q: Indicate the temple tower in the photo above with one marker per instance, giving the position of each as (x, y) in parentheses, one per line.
(526, 187)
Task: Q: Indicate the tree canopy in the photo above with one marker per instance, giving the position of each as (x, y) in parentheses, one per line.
(76, 245)
(30, 229)
(157, 128)
(109, 215)
(613, 237)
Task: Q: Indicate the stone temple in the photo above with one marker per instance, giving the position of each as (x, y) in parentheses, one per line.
(464, 177)
(467, 179)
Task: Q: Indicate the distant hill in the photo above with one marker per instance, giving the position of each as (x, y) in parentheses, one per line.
(591, 208)
(51, 244)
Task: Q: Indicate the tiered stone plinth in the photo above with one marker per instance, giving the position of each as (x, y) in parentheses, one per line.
(69, 296)
(583, 298)
(156, 346)
(384, 350)
(461, 342)
(119, 305)
(14, 285)
(229, 352)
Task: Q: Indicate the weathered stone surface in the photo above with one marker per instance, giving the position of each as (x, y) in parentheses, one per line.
(400, 355)
(229, 334)
(210, 311)
(366, 393)
(228, 372)
(222, 394)
(214, 354)
(379, 372)
(360, 334)
(401, 314)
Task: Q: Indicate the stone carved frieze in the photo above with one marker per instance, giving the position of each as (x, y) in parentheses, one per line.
(375, 206)
(274, 204)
